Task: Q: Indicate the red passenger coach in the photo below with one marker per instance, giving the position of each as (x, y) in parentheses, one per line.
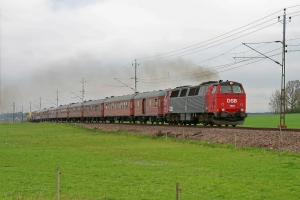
(52, 114)
(75, 112)
(44, 115)
(119, 108)
(62, 113)
(149, 106)
(93, 110)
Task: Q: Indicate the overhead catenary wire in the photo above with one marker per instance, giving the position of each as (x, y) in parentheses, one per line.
(181, 54)
(176, 77)
(212, 38)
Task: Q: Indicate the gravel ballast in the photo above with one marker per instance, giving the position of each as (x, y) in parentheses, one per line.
(288, 140)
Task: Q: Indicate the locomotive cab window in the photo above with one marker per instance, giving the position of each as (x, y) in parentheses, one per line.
(194, 91)
(237, 89)
(183, 93)
(225, 89)
(175, 93)
(214, 90)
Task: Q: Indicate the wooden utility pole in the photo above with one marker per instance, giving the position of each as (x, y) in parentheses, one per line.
(177, 191)
(58, 184)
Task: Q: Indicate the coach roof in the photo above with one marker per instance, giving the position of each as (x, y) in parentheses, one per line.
(119, 98)
(92, 102)
(159, 93)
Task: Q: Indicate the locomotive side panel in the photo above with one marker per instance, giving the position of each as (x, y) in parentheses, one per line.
(196, 101)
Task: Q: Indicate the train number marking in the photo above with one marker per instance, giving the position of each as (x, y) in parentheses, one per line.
(231, 100)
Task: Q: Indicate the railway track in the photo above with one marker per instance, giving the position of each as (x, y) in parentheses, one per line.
(268, 138)
(202, 127)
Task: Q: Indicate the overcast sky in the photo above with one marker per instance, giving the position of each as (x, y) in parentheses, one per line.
(50, 45)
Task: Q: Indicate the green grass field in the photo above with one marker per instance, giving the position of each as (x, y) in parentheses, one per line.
(116, 165)
(272, 120)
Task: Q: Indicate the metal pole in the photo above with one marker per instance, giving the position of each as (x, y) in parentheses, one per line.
(57, 98)
(283, 93)
(14, 107)
(135, 77)
(82, 108)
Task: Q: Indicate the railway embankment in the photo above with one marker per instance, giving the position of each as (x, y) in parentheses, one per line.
(287, 140)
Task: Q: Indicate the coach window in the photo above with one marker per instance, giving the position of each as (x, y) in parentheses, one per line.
(214, 90)
(150, 102)
(138, 103)
(155, 102)
(158, 102)
(183, 93)
(130, 104)
(174, 93)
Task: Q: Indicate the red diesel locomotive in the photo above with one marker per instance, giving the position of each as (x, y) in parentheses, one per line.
(209, 103)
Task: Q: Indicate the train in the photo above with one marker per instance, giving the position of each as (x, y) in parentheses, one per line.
(209, 103)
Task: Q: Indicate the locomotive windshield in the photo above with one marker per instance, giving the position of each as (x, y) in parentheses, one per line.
(237, 89)
(229, 89)
(225, 89)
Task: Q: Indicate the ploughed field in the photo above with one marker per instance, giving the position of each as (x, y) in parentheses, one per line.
(101, 164)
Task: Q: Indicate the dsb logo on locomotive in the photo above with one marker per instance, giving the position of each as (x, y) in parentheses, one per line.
(231, 100)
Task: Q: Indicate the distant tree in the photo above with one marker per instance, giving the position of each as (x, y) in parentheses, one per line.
(274, 104)
(293, 96)
(292, 101)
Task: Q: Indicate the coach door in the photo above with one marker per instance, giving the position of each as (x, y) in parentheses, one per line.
(144, 106)
(211, 99)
